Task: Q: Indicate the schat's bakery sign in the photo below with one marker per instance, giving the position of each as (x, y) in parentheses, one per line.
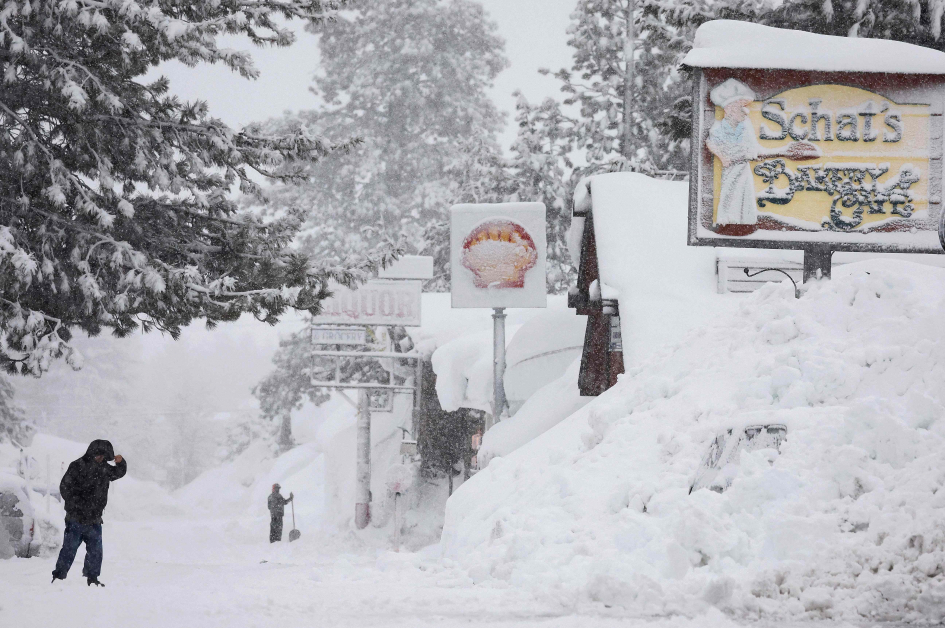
(817, 157)
(794, 158)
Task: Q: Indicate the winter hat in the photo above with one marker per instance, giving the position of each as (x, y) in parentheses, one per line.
(276, 487)
(729, 92)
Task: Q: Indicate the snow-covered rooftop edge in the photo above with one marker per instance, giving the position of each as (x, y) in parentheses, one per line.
(733, 44)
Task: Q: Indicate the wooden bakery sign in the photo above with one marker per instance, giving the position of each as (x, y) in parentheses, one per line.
(794, 159)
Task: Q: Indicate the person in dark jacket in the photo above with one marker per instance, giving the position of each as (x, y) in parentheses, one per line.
(84, 489)
(276, 511)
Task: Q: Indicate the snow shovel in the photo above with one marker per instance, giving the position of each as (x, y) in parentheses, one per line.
(293, 533)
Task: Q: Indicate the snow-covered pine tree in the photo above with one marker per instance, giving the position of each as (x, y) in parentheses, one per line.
(913, 21)
(114, 208)
(540, 170)
(290, 384)
(621, 86)
(410, 77)
(622, 82)
(13, 423)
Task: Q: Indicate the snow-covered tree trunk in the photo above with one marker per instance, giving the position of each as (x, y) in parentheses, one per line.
(629, 51)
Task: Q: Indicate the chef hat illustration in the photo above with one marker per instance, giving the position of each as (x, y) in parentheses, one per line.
(729, 92)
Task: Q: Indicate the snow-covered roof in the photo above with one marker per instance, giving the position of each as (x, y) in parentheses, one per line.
(664, 287)
(732, 44)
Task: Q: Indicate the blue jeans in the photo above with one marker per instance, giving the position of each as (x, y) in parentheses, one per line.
(75, 534)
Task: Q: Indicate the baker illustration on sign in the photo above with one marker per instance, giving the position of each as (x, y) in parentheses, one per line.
(732, 140)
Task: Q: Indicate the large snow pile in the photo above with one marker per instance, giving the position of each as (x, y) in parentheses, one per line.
(733, 44)
(551, 404)
(848, 520)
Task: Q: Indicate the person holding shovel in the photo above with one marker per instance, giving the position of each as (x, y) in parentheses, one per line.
(276, 511)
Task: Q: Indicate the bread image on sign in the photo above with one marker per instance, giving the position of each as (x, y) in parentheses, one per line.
(499, 252)
(498, 255)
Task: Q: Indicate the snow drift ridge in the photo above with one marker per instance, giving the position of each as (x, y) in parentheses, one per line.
(848, 521)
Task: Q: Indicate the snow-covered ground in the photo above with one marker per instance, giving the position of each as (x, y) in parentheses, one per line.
(847, 521)
(592, 523)
(193, 571)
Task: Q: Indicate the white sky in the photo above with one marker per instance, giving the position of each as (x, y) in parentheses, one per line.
(534, 32)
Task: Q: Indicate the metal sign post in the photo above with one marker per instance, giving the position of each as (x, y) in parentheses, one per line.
(344, 320)
(498, 366)
(362, 506)
(497, 257)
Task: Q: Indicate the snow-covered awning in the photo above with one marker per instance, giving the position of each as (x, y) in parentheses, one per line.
(732, 44)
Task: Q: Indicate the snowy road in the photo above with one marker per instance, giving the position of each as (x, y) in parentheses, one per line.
(205, 573)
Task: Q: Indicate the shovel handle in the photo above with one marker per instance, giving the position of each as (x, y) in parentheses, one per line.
(293, 513)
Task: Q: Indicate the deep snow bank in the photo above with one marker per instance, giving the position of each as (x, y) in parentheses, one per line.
(848, 521)
(548, 406)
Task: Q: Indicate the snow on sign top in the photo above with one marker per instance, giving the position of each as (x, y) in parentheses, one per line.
(732, 44)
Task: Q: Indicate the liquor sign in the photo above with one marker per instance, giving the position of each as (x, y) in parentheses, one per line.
(498, 255)
(377, 302)
(797, 158)
(339, 336)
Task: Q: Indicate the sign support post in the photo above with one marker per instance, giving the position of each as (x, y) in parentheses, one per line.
(497, 257)
(345, 317)
(498, 364)
(817, 262)
(362, 506)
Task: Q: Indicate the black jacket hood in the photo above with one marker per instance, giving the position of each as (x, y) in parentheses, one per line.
(100, 448)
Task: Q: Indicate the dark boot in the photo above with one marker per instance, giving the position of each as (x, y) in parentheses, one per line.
(95, 582)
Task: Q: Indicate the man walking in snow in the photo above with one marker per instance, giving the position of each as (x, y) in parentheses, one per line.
(84, 489)
(276, 511)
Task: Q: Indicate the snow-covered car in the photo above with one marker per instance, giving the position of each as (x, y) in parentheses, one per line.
(16, 517)
(715, 471)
